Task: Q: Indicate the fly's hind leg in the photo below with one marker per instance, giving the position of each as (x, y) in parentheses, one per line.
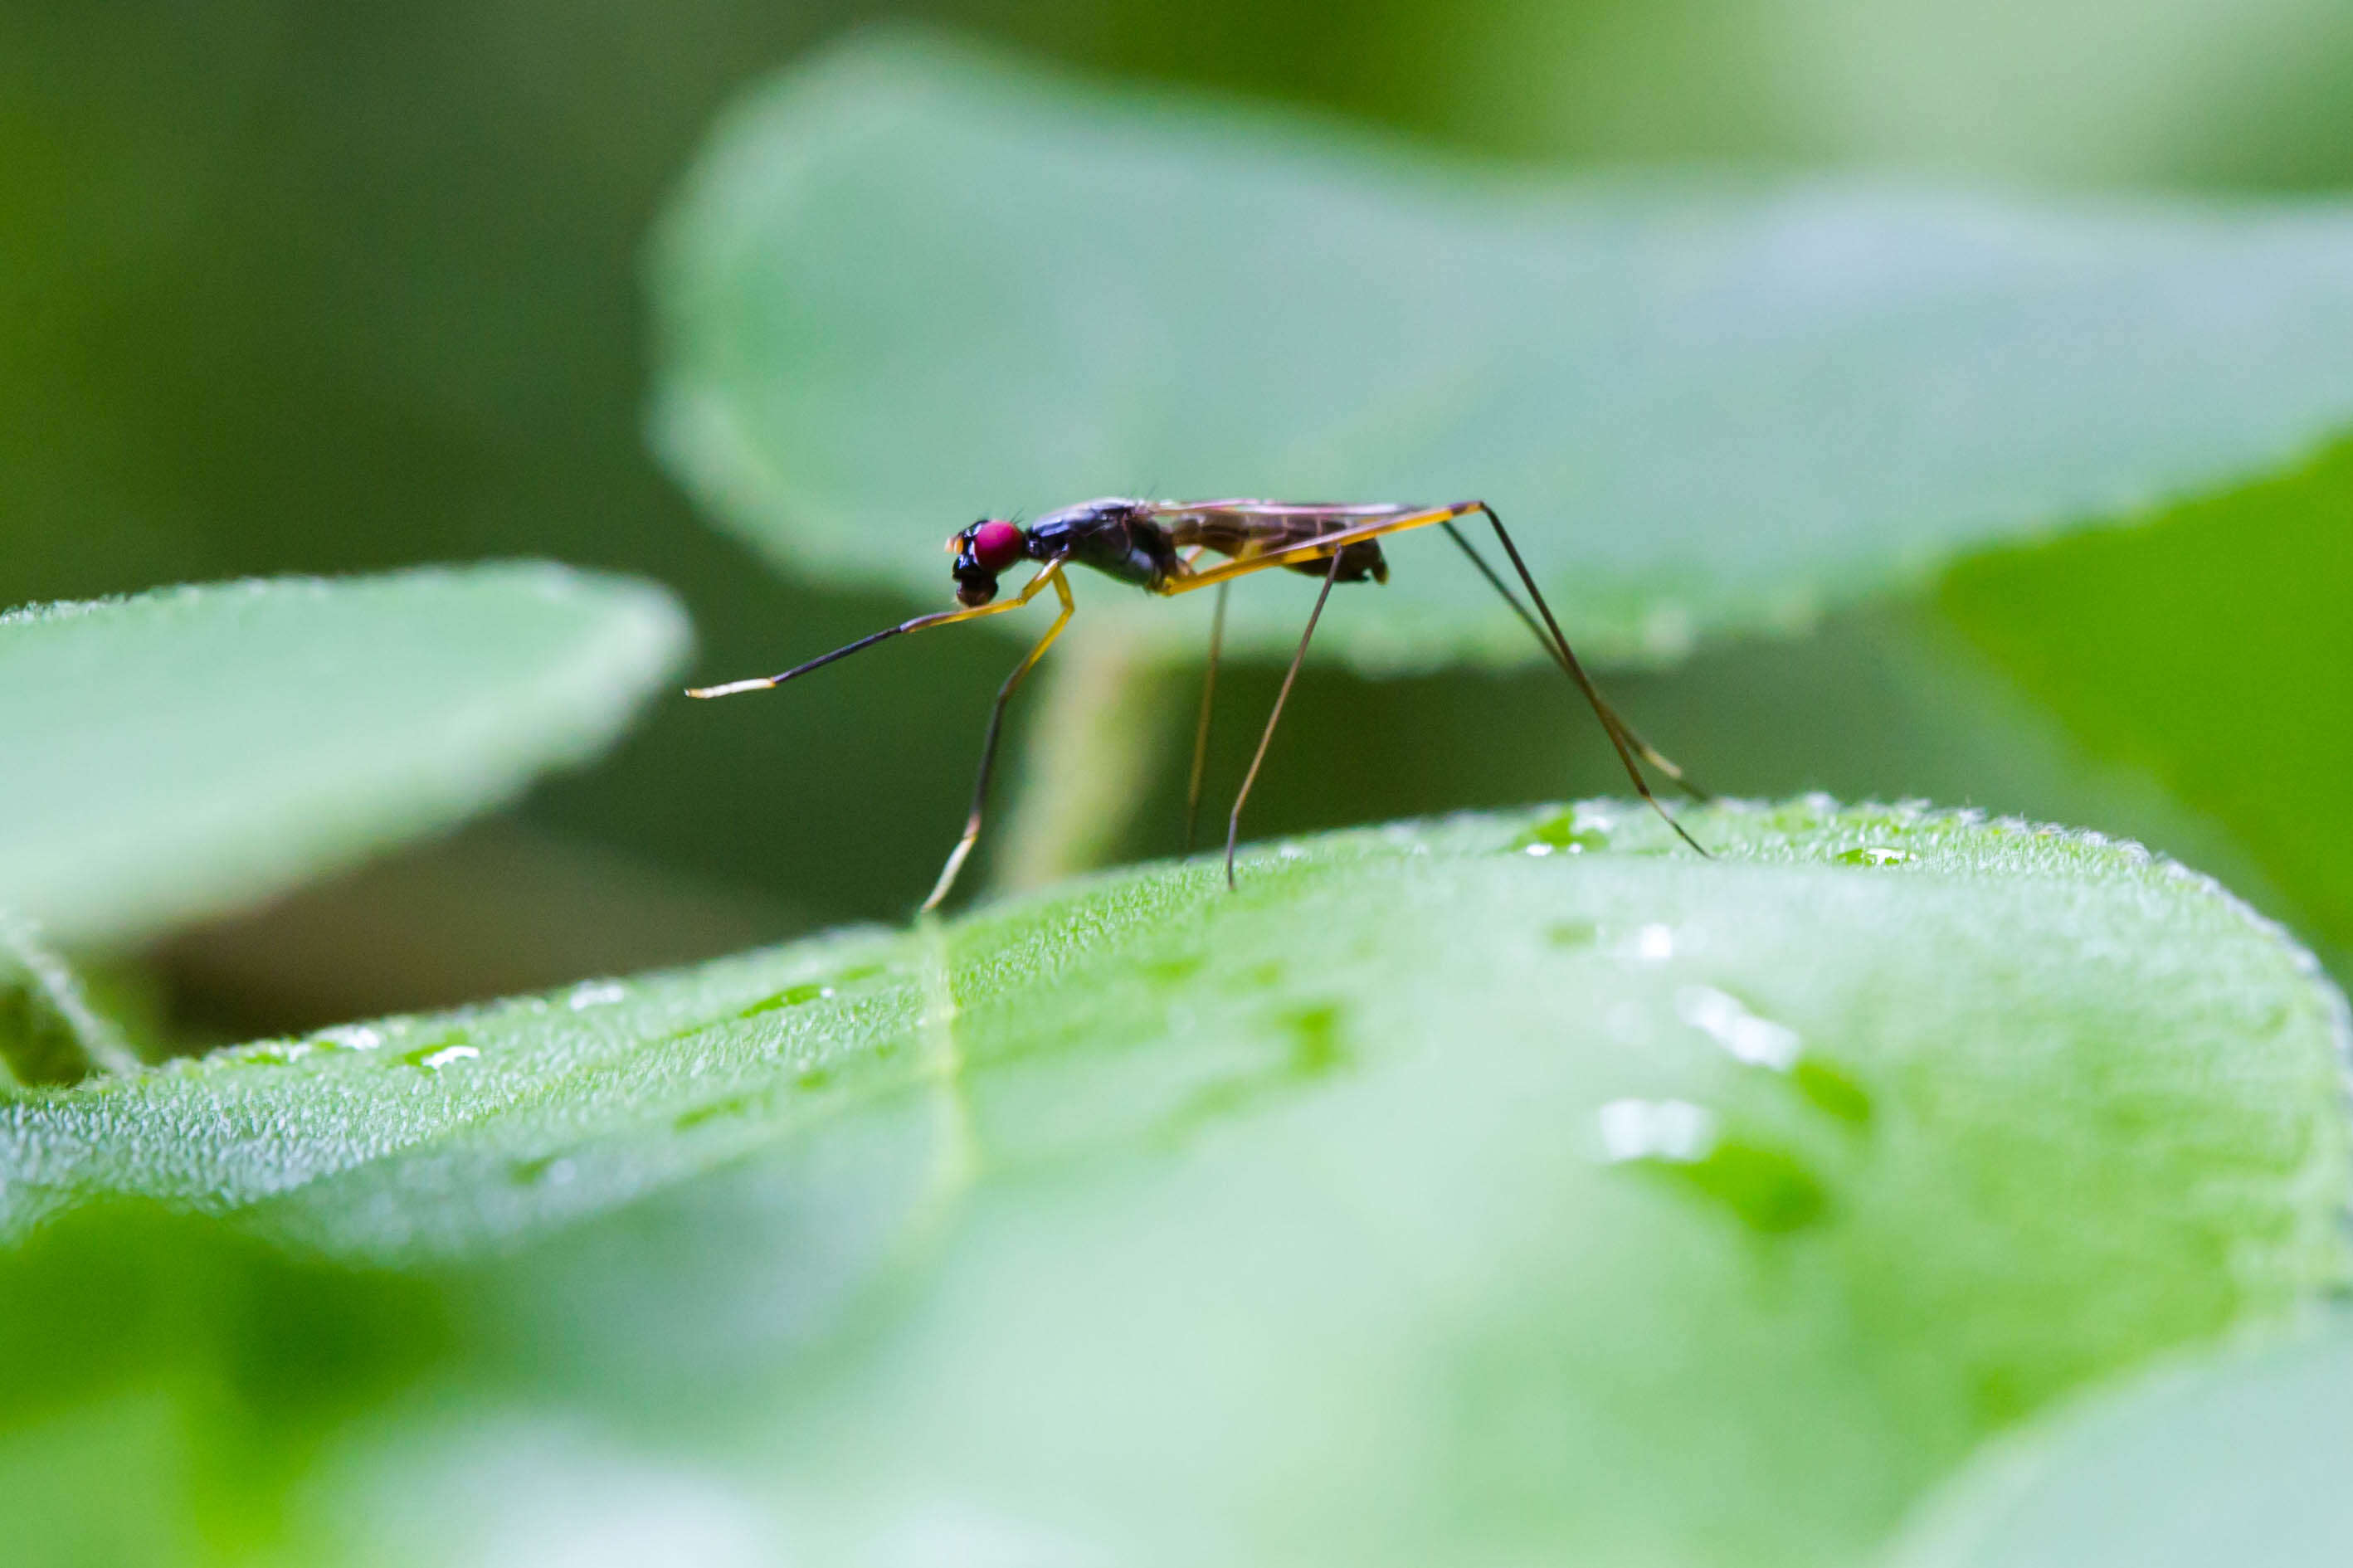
(1202, 730)
(988, 747)
(1609, 715)
(1234, 821)
(1610, 725)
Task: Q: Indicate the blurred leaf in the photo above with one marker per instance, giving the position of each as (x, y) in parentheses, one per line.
(2239, 1461)
(910, 283)
(190, 749)
(2209, 646)
(2149, 94)
(1455, 1192)
(494, 910)
(168, 1378)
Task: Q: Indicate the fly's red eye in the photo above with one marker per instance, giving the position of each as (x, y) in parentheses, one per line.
(996, 545)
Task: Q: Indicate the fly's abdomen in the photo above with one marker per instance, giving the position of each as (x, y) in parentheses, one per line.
(1357, 561)
(1243, 530)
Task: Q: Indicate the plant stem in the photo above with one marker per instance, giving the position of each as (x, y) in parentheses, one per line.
(48, 1031)
(1086, 759)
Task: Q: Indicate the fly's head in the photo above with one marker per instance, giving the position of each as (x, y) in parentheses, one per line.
(988, 547)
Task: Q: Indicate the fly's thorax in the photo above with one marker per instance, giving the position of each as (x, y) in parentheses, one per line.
(1058, 531)
(1115, 536)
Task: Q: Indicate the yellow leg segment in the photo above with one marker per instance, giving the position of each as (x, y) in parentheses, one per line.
(956, 857)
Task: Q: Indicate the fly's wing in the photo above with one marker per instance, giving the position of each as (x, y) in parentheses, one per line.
(1245, 529)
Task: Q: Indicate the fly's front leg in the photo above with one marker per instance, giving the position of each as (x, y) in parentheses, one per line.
(1053, 573)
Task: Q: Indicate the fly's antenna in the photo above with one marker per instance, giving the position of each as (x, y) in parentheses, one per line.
(937, 618)
(764, 682)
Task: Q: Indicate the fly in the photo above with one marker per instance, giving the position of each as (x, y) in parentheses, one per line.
(1165, 548)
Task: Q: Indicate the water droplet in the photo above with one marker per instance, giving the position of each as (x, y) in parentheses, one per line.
(1876, 855)
(550, 1170)
(790, 996)
(1573, 933)
(1655, 1130)
(1318, 1049)
(1770, 1190)
(350, 1037)
(1654, 942)
(1767, 1189)
(695, 1116)
(595, 993)
(440, 1054)
(1291, 852)
(1572, 832)
(1315, 1047)
(1830, 1090)
(1174, 969)
(276, 1053)
(1759, 1042)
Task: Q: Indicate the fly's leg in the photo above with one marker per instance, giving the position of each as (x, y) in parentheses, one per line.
(1611, 718)
(1584, 682)
(988, 747)
(1202, 730)
(1234, 821)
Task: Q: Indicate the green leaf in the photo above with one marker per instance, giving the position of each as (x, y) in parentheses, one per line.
(2208, 648)
(179, 752)
(1486, 1190)
(2241, 1460)
(910, 283)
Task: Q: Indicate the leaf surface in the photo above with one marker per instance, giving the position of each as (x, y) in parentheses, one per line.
(188, 750)
(2210, 649)
(1455, 1191)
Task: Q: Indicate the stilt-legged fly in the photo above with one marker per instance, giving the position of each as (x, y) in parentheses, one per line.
(1159, 546)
